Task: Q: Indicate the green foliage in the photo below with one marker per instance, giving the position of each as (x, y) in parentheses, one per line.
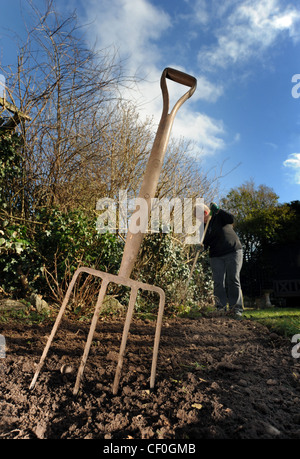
(58, 243)
(27, 315)
(283, 321)
(246, 200)
(263, 227)
(258, 217)
(10, 156)
(202, 280)
(15, 251)
(20, 263)
(164, 262)
(10, 172)
(71, 238)
(290, 231)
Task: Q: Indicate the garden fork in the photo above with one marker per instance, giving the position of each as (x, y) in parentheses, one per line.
(132, 244)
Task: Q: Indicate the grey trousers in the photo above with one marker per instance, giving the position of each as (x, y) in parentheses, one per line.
(226, 277)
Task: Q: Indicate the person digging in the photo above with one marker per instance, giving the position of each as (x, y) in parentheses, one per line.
(226, 259)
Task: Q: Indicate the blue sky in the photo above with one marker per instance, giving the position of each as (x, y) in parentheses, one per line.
(245, 115)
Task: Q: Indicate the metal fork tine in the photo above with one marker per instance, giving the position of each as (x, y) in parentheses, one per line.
(133, 295)
(55, 326)
(88, 343)
(157, 337)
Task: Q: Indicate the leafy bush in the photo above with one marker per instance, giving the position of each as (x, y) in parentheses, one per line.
(202, 281)
(56, 246)
(10, 173)
(20, 263)
(71, 238)
(163, 262)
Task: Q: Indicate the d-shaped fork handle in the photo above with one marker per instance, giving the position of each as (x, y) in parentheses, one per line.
(178, 77)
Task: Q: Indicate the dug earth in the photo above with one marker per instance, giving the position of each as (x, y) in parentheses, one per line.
(217, 378)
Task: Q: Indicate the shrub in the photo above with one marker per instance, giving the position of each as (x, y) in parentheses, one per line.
(20, 263)
(52, 250)
(163, 262)
(69, 240)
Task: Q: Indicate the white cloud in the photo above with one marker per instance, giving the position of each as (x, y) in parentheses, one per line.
(136, 29)
(249, 30)
(293, 162)
(207, 90)
(205, 131)
(131, 26)
(2, 85)
(201, 13)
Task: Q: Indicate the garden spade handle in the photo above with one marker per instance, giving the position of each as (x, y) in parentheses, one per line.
(195, 260)
(155, 162)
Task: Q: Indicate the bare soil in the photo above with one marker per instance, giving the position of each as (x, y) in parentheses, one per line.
(217, 378)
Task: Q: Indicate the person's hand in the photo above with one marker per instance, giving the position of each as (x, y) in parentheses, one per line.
(200, 247)
(214, 209)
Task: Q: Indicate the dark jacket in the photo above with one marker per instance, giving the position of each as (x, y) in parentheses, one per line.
(221, 237)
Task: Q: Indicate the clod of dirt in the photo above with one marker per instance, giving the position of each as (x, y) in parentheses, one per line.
(271, 382)
(272, 430)
(66, 369)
